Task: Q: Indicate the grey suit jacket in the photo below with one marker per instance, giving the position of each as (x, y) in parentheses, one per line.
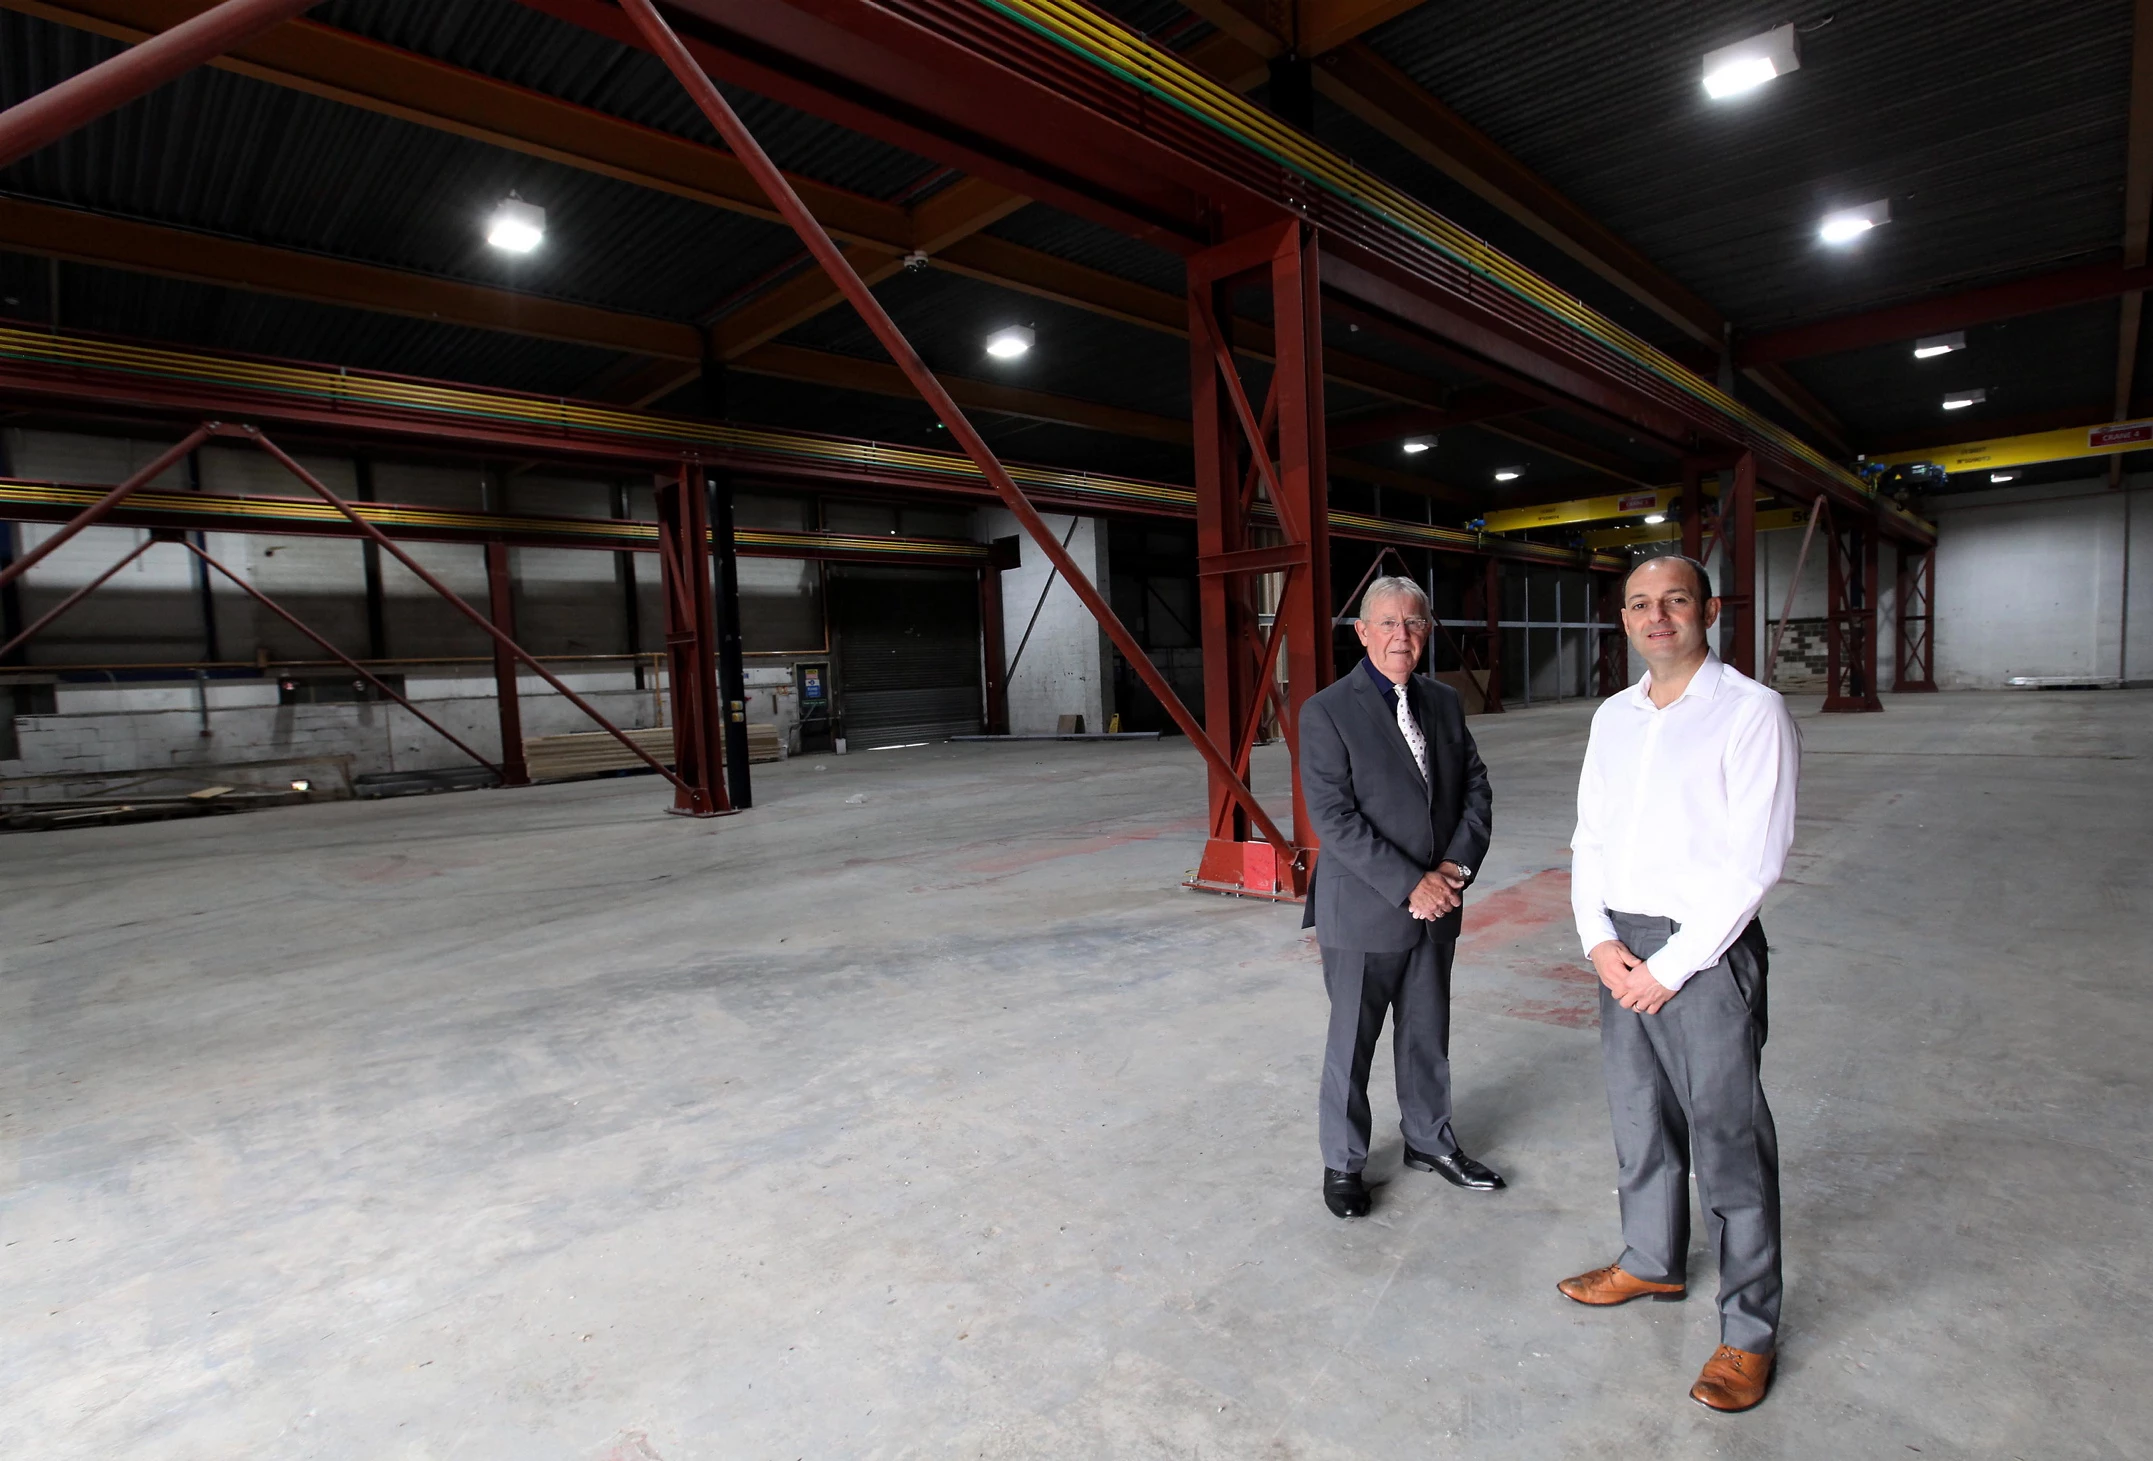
(1382, 826)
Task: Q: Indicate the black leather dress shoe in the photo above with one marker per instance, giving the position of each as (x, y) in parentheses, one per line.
(1345, 1194)
(1456, 1168)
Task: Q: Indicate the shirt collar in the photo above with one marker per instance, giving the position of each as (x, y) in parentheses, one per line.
(1383, 682)
(1704, 685)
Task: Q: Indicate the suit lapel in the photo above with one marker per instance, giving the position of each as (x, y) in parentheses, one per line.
(1387, 719)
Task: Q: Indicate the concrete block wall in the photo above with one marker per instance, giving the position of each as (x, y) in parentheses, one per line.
(1067, 665)
(2053, 580)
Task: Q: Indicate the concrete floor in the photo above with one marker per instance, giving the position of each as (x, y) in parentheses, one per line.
(920, 1114)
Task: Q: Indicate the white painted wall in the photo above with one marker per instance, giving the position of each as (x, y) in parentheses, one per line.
(2033, 581)
(1067, 665)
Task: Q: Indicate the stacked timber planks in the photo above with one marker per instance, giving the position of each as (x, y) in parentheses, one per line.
(593, 753)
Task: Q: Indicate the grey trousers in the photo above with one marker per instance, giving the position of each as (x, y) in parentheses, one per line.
(1682, 1085)
(1416, 985)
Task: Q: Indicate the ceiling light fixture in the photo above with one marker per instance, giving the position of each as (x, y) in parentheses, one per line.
(1844, 225)
(1008, 344)
(516, 226)
(1418, 445)
(1654, 519)
(1931, 346)
(1507, 474)
(1747, 65)
(1960, 400)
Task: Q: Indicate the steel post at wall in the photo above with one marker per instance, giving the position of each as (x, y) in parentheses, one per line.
(994, 678)
(690, 643)
(1492, 596)
(501, 608)
(1738, 555)
(732, 670)
(1914, 667)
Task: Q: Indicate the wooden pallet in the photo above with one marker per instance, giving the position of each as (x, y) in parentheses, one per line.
(593, 753)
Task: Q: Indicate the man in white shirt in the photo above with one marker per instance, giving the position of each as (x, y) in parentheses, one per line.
(1685, 811)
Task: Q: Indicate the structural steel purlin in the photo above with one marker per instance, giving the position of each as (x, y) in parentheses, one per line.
(1050, 97)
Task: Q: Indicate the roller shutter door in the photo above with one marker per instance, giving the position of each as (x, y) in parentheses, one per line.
(907, 654)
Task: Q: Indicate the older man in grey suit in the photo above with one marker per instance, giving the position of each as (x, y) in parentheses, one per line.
(1397, 793)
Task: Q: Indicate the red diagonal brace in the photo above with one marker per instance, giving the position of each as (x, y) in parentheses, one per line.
(89, 516)
(136, 71)
(346, 660)
(73, 599)
(388, 545)
(744, 146)
(1215, 338)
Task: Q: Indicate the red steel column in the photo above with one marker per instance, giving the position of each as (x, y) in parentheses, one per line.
(1692, 510)
(501, 608)
(1738, 591)
(136, 71)
(991, 650)
(1850, 664)
(1492, 593)
(1914, 667)
(1297, 326)
(691, 644)
(1220, 528)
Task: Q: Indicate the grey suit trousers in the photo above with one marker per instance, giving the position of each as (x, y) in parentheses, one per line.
(1414, 984)
(1682, 1085)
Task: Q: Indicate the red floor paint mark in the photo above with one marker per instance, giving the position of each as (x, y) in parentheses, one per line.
(1564, 973)
(1018, 861)
(1555, 1012)
(1522, 908)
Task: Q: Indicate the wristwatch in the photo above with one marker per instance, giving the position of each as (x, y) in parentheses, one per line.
(1465, 871)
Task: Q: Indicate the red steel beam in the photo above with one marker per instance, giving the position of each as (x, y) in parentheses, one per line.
(136, 71)
(2085, 284)
(90, 515)
(713, 105)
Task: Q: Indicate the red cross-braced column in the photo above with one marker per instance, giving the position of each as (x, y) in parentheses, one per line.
(1612, 666)
(691, 644)
(1914, 667)
(1850, 681)
(1262, 508)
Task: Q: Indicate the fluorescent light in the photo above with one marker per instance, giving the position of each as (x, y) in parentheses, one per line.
(1654, 519)
(1418, 445)
(516, 226)
(1747, 65)
(1960, 400)
(1929, 347)
(1507, 474)
(1844, 225)
(2003, 476)
(1009, 344)
(302, 786)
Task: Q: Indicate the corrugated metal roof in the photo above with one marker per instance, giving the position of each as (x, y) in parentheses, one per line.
(222, 153)
(1995, 127)
(1093, 245)
(516, 43)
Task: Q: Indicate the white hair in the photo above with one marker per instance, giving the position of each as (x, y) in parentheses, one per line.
(1395, 587)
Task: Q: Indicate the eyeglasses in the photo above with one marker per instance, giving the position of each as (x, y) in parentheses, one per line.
(1392, 626)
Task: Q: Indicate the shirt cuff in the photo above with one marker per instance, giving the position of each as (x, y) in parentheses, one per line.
(1594, 930)
(1675, 964)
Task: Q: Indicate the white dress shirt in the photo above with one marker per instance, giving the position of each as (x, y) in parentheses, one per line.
(1684, 813)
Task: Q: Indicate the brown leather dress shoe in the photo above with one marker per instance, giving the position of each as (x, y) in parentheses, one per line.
(1610, 1285)
(1733, 1379)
